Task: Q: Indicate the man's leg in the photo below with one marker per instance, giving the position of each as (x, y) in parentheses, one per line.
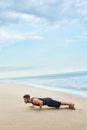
(71, 105)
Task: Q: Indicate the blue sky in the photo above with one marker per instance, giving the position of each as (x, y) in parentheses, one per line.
(42, 37)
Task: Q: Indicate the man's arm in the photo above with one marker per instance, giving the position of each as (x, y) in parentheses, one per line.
(38, 102)
(41, 104)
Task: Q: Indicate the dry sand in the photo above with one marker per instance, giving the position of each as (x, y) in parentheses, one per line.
(15, 115)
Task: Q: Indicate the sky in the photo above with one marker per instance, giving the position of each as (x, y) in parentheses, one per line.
(42, 37)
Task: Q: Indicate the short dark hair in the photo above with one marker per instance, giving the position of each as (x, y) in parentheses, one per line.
(26, 96)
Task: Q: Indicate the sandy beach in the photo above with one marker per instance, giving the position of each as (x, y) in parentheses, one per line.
(15, 115)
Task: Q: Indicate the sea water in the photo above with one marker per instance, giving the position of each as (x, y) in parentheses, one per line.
(75, 82)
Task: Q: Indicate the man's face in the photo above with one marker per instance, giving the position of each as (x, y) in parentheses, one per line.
(26, 100)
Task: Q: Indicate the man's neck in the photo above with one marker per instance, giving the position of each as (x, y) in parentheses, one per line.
(30, 100)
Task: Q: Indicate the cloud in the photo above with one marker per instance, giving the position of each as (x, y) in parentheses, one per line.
(21, 71)
(12, 17)
(56, 10)
(81, 37)
(8, 37)
(5, 4)
(9, 68)
(38, 14)
(68, 41)
(52, 11)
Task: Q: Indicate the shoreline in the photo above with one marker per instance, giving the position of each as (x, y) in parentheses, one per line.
(15, 114)
(73, 82)
(67, 91)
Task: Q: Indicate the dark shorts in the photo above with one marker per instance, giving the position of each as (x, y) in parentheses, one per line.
(51, 103)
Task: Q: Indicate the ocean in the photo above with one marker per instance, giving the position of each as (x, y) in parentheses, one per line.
(75, 82)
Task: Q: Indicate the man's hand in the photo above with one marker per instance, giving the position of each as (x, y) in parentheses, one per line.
(40, 107)
(32, 106)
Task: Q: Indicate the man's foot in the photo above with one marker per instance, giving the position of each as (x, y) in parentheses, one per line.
(71, 106)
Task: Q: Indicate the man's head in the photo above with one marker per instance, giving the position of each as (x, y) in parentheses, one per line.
(26, 98)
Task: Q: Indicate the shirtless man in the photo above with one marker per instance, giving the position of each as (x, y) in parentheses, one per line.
(46, 101)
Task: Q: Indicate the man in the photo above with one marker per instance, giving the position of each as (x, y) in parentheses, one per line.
(46, 101)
